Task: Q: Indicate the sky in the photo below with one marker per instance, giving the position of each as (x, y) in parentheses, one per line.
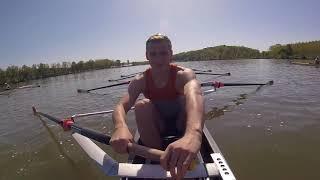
(51, 31)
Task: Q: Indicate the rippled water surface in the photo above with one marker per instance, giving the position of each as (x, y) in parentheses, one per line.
(269, 133)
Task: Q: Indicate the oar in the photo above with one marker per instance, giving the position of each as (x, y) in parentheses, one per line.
(127, 82)
(112, 85)
(126, 77)
(111, 111)
(215, 74)
(68, 124)
(93, 113)
(217, 84)
(199, 70)
(130, 74)
(203, 73)
(210, 83)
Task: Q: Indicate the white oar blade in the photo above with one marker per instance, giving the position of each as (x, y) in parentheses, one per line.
(104, 161)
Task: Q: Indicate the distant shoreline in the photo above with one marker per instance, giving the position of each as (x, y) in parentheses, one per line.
(304, 52)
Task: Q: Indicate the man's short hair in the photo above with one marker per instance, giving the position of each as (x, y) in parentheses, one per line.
(158, 38)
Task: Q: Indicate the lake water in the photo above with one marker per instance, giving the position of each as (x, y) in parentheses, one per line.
(270, 133)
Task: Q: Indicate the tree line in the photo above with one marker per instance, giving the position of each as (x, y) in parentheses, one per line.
(15, 74)
(301, 50)
(218, 52)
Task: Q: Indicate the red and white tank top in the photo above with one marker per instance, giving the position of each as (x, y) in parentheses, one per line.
(168, 92)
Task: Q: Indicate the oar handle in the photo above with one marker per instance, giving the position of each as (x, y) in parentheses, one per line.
(143, 151)
(146, 152)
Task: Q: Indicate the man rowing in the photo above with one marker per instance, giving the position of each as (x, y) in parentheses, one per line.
(317, 60)
(173, 106)
(7, 86)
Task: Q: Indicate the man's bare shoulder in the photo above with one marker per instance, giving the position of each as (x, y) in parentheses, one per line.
(185, 74)
(138, 82)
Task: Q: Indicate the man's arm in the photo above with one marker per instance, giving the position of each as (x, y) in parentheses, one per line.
(194, 107)
(181, 152)
(121, 135)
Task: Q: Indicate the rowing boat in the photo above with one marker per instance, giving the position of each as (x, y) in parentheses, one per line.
(305, 63)
(8, 91)
(5, 92)
(209, 153)
(28, 86)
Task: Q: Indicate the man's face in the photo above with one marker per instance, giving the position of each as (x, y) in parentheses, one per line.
(159, 53)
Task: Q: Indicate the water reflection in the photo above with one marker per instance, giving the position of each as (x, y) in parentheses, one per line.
(216, 112)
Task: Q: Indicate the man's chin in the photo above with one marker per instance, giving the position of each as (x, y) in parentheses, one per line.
(160, 65)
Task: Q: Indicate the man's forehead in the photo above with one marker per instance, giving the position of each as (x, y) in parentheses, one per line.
(158, 45)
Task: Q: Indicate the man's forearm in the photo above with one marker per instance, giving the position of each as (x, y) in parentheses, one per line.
(195, 111)
(118, 117)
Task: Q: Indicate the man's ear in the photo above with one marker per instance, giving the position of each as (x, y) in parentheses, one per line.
(147, 56)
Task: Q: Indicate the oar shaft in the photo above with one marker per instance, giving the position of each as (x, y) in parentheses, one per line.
(215, 74)
(91, 114)
(199, 70)
(131, 74)
(94, 113)
(217, 84)
(112, 85)
(102, 138)
(56, 120)
(126, 77)
(243, 84)
(68, 124)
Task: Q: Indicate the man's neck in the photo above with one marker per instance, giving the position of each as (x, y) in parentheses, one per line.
(160, 75)
(161, 69)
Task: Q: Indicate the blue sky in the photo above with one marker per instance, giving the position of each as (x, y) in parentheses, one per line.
(35, 31)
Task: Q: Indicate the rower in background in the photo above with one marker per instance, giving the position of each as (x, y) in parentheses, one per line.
(317, 61)
(8, 87)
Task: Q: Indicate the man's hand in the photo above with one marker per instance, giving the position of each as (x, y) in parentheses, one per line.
(180, 154)
(120, 139)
